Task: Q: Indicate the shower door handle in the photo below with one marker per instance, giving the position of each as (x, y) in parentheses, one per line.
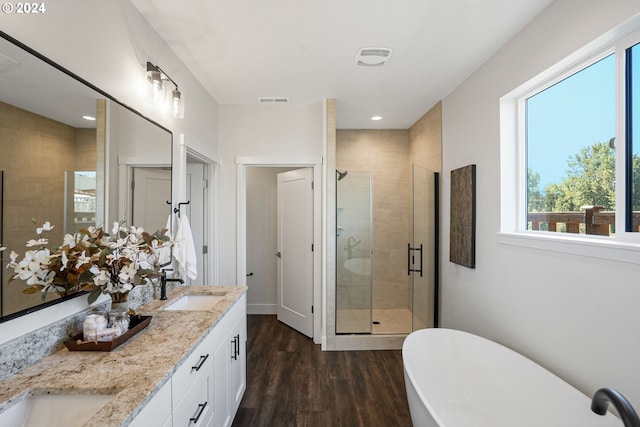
(411, 259)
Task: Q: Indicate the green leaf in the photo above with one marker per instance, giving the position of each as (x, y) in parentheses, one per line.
(93, 296)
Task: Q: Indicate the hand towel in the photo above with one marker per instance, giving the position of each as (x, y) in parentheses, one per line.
(184, 250)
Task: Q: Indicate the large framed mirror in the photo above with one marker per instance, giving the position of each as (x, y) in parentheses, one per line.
(71, 155)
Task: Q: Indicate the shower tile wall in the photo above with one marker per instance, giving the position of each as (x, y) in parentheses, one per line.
(43, 151)
(425, 150)
(385, 153)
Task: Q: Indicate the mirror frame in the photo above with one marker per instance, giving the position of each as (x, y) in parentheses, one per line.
(101, 92)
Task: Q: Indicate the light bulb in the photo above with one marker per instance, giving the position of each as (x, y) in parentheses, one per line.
(176, 103)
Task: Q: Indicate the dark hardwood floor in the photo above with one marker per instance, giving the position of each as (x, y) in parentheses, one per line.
(291, 382)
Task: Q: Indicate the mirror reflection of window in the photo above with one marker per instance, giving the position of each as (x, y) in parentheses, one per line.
(80, 211)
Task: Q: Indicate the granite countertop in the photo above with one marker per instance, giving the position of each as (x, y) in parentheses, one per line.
(134, 371)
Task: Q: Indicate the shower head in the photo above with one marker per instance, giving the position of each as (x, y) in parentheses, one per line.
(341, 174)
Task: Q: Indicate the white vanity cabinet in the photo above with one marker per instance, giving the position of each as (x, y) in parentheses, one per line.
(207, 388)
(158, 411)
(192, 388)
(230, 364)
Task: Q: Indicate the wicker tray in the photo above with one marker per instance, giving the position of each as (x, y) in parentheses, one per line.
(136, 324)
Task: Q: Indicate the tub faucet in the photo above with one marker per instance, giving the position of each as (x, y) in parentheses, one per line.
(350, 246)
(606, 395)
(163, 283)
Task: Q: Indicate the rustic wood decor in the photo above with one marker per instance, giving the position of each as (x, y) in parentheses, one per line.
(463, 216)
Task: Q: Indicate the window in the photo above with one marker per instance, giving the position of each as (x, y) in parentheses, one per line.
(632, 118)
(570, 152)
(579, 145)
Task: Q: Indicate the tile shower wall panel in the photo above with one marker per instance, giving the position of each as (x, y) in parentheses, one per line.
(385, 153)
(425, 152)
(35, 164)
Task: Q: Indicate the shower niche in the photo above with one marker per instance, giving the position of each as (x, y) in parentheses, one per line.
(386, 235)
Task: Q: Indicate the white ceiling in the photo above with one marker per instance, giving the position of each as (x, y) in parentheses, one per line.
(33, 85)
(305, 50)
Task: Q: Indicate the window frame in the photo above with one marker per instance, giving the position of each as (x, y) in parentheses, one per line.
(623, 245)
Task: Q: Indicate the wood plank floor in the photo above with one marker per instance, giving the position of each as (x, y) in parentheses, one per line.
(291, 382)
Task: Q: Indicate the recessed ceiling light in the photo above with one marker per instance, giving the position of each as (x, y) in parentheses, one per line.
(88, 118)
(376, 118)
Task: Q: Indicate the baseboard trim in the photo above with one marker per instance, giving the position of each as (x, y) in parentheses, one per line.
(367, 342)
(262, 309)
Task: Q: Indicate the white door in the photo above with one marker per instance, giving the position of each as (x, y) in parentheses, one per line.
(295, 251)
(197, 187)
(151, 191)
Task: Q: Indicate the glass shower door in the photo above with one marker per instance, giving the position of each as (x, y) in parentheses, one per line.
(425, 235)
(354, 243)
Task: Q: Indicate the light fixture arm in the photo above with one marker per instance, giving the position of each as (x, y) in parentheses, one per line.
(155, 68)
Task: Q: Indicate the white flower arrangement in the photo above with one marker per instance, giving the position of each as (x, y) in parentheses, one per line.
(93, 261)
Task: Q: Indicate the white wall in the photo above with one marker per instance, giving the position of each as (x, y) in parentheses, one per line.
(578, 317)
(262, 241)
(108, 44)
(276, 133)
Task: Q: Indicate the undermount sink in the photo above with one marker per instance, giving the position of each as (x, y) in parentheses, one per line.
(195, 303)
(54, 410)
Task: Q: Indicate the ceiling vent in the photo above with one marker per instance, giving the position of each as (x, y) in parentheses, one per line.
(373, 56)
(273, 100)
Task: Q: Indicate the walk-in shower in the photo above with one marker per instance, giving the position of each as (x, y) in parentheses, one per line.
(386, 238)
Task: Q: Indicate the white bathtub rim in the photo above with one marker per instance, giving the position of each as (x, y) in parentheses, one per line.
(518, 356)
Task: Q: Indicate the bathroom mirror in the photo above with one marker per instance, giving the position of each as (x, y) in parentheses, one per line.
(70, 155)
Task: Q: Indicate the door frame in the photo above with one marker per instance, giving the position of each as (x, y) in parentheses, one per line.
(211, 219)
(241, 223)
(125, 193)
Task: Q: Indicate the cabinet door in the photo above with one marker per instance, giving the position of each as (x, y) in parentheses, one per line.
(158, 411)
(221, 414)
(238, 363)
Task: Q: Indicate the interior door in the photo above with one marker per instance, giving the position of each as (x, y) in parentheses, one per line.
(295, 249)
(197, 187)
(151, 191)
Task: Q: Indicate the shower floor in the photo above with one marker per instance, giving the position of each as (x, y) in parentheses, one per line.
(388, 321)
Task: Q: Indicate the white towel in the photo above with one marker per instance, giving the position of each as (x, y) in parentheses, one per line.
(184, 250)
(164, 253)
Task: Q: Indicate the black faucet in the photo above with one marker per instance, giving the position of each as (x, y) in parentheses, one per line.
(163, 283)
(606, 395)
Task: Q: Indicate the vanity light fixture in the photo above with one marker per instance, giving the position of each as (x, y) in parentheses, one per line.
(158, 78)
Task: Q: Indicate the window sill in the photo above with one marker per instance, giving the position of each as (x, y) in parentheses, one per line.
(606, 248)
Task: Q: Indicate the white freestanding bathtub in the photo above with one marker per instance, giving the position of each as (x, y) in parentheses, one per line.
(457, 379)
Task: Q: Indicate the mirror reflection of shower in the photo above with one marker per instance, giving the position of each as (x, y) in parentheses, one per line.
(341, 174)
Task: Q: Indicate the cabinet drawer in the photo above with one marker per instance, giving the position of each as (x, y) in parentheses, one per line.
(197, 364)
(196, 409)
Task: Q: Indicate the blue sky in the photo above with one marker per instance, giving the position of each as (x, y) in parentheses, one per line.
(572, 114)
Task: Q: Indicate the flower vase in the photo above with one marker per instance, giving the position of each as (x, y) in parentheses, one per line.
(119, 313)
(120, 301)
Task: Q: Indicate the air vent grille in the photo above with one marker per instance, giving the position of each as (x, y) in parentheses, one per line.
(373, 56)
(273, 100)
